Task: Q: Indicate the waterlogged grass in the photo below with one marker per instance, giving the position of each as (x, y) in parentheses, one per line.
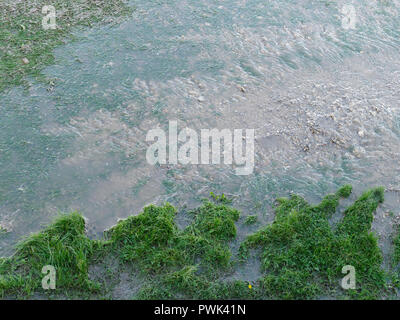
(153, 241)
(396, 259)
(194, 257)
(301, 253)
(26, 48)
(251, 220)
(62, 245)
(2, 230)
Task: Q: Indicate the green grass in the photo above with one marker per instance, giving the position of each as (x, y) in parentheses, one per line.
(396, 258)
(63, 245)
(396, 245)
(22, 36)
(250, 220)
(301, 253)
(153, 241)
(2, 231)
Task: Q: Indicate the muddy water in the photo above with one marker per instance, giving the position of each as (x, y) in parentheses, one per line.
(322, 98)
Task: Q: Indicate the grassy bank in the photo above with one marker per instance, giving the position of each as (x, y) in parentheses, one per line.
(26, 48)
(301, 253)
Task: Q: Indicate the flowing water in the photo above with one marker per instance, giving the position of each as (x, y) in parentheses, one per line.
(321, 96)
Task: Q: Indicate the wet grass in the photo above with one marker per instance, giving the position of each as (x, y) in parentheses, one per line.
(62, 245)
(177, 261)
(301, 253)
(2, 230)
(395, 275)
(396, 245)
(26, 48)
(251, 219)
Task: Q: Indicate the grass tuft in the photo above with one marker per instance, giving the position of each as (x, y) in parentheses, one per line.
(62, 245)
(302, 256)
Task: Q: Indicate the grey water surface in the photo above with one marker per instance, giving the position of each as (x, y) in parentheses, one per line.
(323, 100)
